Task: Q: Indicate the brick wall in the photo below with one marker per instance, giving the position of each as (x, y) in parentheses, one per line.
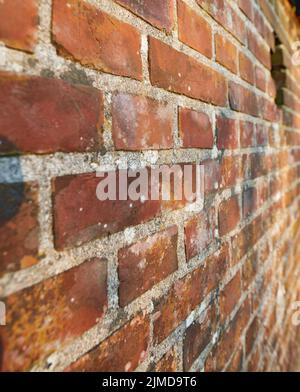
(91, 285)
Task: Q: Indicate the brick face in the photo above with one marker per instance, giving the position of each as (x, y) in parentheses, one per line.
(194, 31)
(195, 129)
(80, 32)
(59, 309)
(129, 283)
(141, 123)
(16, 13)
(158, 13)
(59, 126)
(146, 263)
(122, 351)
(177, 72)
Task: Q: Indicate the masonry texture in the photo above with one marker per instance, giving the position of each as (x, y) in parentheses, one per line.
(151, 285)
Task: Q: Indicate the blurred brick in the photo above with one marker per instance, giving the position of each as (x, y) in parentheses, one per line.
(145, 263)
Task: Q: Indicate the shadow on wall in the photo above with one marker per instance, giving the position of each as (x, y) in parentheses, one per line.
(12, 191)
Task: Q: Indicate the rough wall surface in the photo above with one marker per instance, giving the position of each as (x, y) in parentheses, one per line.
(95, 286)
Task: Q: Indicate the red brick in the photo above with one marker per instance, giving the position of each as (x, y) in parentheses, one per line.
(236, 362)
(177, 72)
(174, 307)
(193, 30)
(19, 24)
(230, 295)
(258, 47)
(230, 171)
(246, 68)
(156, 12)
(262, 135)
(260, 78)
(230, 340)
(41, 115)
(81, 31)
(227, 132)
(247, 135)
(211, 175)
(141, 123)
(54, 312)
(145, 263)
(224, 14)
(226, 53)
(214, 269)
(195, 129)
(19, 229)
(199, 233)
(123, 351)
(168, 363)
(229, 215)
(243, 100)
(197, 337)
(246, 7)
(79, 216)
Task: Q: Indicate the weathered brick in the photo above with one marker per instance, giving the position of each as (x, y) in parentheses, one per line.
(168, 363)
(226, 53)
(227, 132)
(41, 115)
(260, 78)
(156, 12)
(230, 296)
(123, 351)
(195, 129)
(246, 68)
(141, 123)
(230, 340)
(145, 263)
(246, 7)
(243, 100)
(193, 30)
(19, 228)
(19, 24)
(230, 171)
(45, 316)
(247, 134)
(81, 31)
(177, 72)
(198, 335)
(174, 307)
(259, 48)
(229, 215)
(199, 233)
(80, 216)
(224, 14)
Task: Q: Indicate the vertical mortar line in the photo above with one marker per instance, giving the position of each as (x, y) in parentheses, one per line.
(45, 216)
(45, 15)
(107, 126)
(175, 27)
(145, 58)
(113, 282)
(182, 262)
